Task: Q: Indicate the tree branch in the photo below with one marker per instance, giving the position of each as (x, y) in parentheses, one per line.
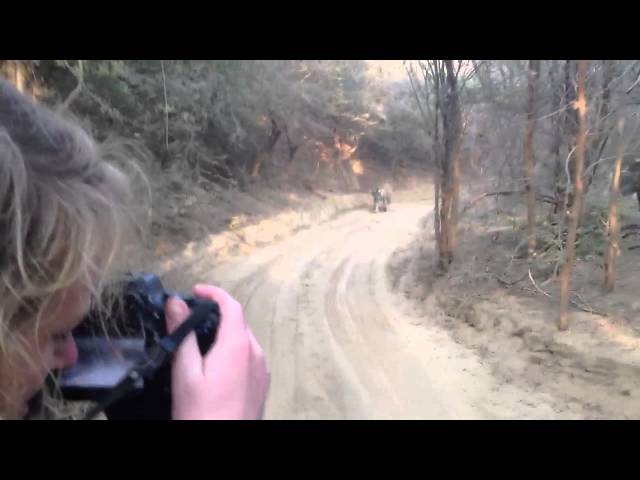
(76, 91)
(166, 108)
(415, 93)
(633, 85)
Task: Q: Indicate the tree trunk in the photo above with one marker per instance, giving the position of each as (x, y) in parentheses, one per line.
(570, 129)
(290, 145)
(19, 75)
(612, 217)
(580, 106)
(452, 139)
(437, 221)
(445, 256)
(557, 119)
(534, 71)
(440, 220)
(266, 152)
(440, 82)
(603, 126)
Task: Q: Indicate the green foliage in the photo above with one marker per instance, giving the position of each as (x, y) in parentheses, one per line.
(221, 110)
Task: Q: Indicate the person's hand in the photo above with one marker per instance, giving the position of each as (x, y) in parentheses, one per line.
(231, 381)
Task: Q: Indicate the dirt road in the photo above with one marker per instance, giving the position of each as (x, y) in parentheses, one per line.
(339, 343)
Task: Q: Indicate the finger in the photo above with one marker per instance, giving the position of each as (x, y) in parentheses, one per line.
(232, 323)
(187, 358)
(259, 362)
(261, 373)
(256, 350)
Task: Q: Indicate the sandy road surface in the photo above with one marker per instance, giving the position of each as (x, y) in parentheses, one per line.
(340, 344)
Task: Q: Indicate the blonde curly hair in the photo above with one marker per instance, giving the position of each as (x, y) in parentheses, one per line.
(64, 210)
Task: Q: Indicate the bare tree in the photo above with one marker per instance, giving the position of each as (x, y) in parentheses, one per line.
(292, 148)
(534, 72)
(267, 151)
(575, 208)
(557, 120)
(602, 124)
(612, 217)
(569, 128)
(450, 181)
(439, 104)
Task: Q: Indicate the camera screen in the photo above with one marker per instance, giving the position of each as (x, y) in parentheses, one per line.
(102, 363)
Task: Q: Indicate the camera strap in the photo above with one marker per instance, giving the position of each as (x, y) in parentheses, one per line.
(157, 356)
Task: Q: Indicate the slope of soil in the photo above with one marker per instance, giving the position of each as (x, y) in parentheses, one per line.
(591, 371)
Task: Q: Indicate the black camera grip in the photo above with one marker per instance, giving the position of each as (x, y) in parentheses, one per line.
(200, 311)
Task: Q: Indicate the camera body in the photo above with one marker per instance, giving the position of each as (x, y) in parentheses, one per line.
(136, 323)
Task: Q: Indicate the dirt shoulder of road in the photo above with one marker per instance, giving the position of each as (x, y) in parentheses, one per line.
(591, 371)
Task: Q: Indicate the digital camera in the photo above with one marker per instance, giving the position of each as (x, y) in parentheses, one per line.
(110, 345)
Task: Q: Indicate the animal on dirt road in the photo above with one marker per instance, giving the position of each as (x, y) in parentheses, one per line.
(381, 199)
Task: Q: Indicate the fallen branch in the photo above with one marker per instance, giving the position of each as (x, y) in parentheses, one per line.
(584, 306)
(508, 283)
(546, 199)
(633, 85)
(551, 278)
(630, 233)
(475, 200)
(490, 194)
(536, 285)
(587, 307)
(630, 226)
(515, 252)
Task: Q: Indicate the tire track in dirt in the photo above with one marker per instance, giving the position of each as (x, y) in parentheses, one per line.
(271, 296)
(338, 342)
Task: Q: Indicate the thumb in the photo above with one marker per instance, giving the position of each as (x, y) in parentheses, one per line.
(187, 359)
